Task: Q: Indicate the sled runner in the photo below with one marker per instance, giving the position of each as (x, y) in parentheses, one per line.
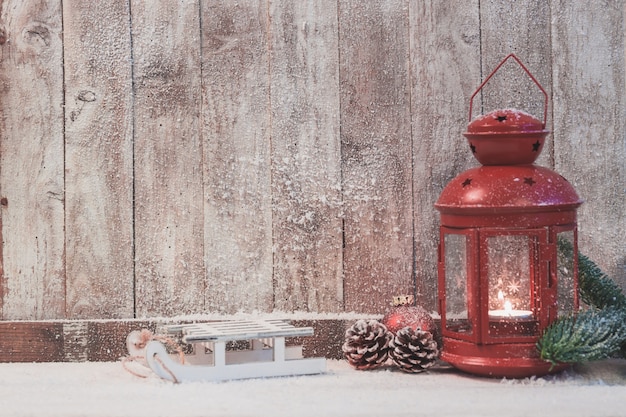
(264, 353)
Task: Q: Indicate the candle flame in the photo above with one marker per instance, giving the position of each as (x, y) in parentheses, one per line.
(500, 295)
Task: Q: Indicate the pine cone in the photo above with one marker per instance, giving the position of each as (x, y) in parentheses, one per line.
(413, 350)
(367, 344)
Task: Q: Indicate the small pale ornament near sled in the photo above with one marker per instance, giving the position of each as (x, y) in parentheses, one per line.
(265, 355)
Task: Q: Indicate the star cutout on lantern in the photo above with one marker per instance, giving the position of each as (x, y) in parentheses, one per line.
(529, 181)
(467, 182)
(536, 146)
(501, 118)
(473, 148)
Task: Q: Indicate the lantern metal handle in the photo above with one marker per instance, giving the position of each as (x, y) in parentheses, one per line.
(545, 95)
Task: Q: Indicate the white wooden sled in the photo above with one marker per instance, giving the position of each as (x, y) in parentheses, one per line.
(264, 355)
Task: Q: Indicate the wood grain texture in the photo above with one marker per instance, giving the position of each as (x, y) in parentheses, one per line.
(31, 161)
(523, 29)
(376, 153)
(445, 67)
(306, 159)
(237, 165)
(589, 131)
(99, 159)
(169, 272)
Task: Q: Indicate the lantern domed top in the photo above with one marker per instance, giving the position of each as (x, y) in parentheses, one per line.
(530, 188)
(506, 137)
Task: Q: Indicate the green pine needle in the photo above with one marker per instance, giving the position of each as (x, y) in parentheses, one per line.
(591, 335)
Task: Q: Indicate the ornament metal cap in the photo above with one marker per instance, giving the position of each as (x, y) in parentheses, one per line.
(402, 300)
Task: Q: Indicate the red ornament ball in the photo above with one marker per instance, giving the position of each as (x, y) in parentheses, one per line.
(415, 317)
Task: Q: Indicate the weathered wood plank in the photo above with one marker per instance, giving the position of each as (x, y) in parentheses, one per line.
(97, 341)
(168, 158)
(99, 159)
(590, 133)
(376, 153)
(31, 342)
(237, 170)
(306, 160)
(523, 29)
(445, 63)
(31, 161)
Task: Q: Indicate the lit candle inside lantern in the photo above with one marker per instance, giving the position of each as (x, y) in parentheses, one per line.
(507, 312)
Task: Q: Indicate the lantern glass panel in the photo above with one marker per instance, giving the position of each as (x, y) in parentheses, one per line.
(457, 319)
(509, 272)
(565, 273)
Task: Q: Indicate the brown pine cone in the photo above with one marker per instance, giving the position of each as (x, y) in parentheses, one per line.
(367, 344)
(413, 350)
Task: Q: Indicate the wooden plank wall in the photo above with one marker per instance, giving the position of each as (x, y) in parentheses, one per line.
(237, 156)
(32, 160)
(169, 221)
(193, 156)
(98, 159)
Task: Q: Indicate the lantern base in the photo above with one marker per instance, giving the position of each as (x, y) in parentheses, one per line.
(502, 360)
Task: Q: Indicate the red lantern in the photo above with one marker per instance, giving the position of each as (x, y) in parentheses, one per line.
(502, 279)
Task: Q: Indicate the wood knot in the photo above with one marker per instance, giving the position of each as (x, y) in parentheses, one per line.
(86, 96)
(38, 36)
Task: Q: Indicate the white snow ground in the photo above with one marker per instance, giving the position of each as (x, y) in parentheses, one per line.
(106, 389)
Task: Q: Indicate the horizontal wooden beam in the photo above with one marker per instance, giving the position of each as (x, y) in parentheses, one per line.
(101, 341)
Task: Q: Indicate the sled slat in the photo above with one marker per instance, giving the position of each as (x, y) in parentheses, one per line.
(237, 330)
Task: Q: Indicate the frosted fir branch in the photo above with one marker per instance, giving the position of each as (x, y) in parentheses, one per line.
(590, 335)
(596, 289)
(598, 333)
